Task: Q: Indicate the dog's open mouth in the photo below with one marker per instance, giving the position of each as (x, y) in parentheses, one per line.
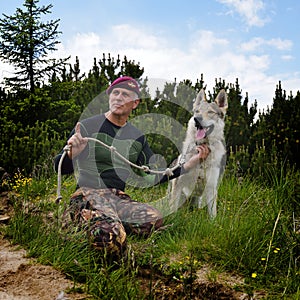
(202, 132)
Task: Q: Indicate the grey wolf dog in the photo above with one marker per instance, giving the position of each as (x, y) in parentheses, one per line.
(201, 184)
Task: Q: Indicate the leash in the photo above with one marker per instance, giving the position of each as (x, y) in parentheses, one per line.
(167, 171)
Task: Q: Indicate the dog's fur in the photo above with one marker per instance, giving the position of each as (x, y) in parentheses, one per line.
(205, 126)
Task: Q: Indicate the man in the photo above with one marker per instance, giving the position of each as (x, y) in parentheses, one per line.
(100, 204)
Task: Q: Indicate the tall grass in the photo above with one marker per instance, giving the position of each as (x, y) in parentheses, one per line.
(255, 235)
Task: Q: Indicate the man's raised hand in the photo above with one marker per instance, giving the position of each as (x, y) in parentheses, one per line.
(77, 142)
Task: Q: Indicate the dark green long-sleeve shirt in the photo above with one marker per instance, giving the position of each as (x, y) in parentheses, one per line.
(98, 167)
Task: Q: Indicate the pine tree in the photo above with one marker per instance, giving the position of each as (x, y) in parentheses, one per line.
(25, 42)
(240, 118)
(282, 125)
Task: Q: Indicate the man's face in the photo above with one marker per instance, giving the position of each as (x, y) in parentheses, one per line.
(122, 101)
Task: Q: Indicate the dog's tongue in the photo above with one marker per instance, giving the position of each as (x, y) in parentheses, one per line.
(200, 134)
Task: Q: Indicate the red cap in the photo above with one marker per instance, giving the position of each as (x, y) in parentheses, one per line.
(124, 82)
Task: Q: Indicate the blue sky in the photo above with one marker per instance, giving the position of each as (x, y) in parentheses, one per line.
(255, 41)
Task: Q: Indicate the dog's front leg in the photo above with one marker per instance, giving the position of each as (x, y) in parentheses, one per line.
(210, 191)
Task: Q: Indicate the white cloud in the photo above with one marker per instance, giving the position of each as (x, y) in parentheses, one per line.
(287, 57)
(257, 44)
(128, 36)
(253, 44)
(249, 10)
(280, 44)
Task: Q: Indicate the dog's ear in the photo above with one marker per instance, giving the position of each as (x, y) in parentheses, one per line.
(221, 101)
(200, 97)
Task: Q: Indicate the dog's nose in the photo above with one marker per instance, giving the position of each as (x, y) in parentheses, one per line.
(198, 119)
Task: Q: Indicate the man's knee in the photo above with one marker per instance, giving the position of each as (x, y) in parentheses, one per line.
(144, 222)
(107, 235)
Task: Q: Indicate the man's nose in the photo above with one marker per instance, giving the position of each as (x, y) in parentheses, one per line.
(120, 97)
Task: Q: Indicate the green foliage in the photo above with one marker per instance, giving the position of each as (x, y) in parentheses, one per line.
(239, 119)
(279, 127)
(25, 146)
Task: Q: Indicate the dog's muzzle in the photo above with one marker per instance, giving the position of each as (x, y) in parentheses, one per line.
(202, 131)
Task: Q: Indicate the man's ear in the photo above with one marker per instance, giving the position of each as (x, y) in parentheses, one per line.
(136, 103)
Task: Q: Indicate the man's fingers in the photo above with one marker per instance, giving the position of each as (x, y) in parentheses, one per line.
(77, 142)
(77, 128)
(77, 139)
(203, 151)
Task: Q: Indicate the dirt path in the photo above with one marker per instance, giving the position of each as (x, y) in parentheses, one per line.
(22, 278)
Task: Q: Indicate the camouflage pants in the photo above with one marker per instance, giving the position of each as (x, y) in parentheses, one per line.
(108, 215)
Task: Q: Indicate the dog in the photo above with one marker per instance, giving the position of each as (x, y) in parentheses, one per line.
(201, 183)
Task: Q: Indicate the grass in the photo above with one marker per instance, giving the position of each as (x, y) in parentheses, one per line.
(254, 236)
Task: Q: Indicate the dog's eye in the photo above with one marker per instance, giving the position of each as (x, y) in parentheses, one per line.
(197, 111)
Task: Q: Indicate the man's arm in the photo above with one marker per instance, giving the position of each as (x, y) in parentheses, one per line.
(78, 144)
(203, 152)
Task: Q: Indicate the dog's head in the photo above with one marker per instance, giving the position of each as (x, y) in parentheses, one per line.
(209, 116)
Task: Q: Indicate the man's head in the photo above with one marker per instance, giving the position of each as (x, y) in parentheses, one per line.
(125, 82)
(124, 95)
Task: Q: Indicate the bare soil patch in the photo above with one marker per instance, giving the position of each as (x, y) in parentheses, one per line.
(22, 278)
